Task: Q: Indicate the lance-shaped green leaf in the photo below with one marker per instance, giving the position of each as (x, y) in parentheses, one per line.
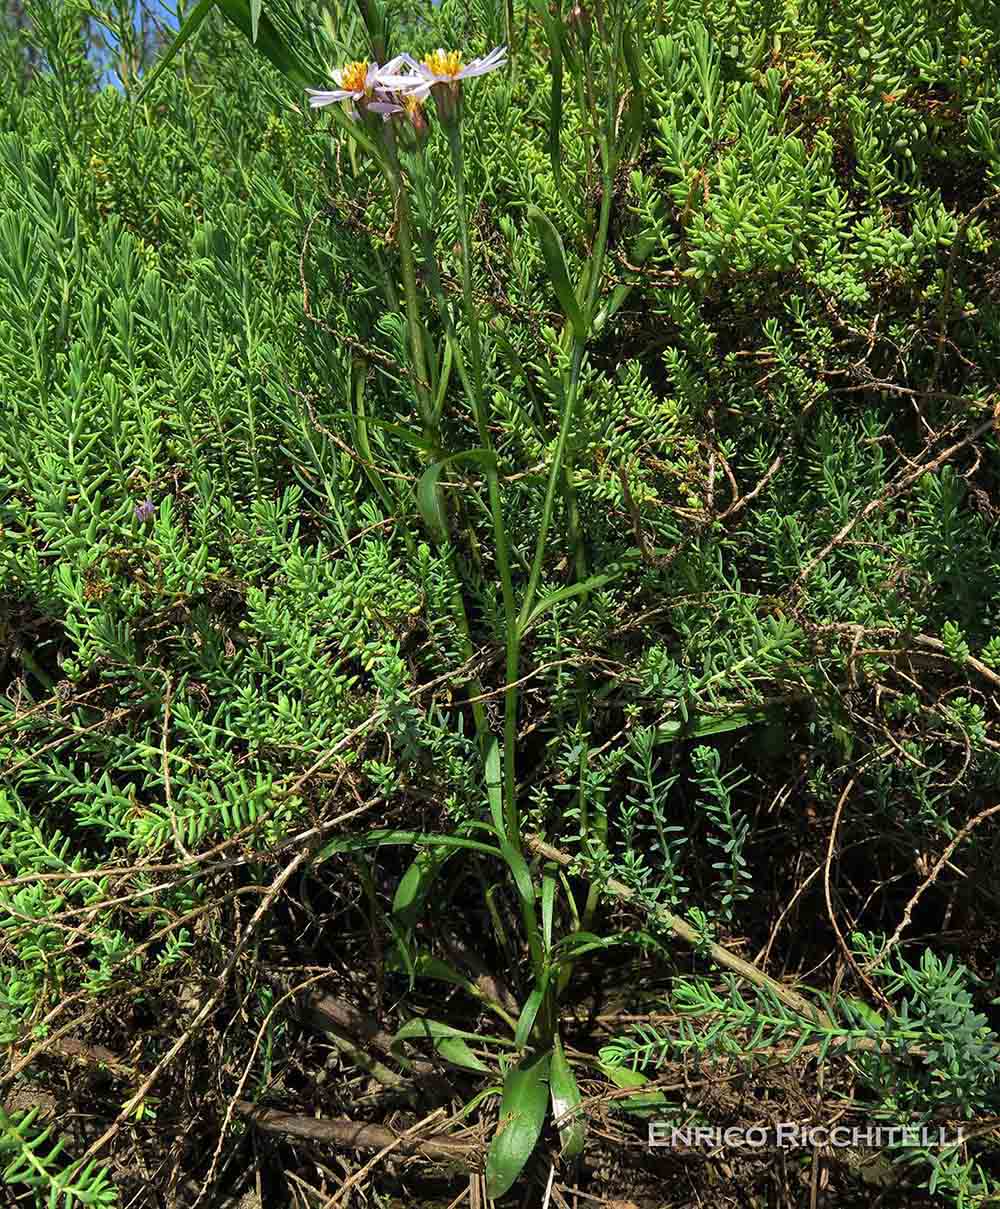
(418, 880)
(255, 25)
(697, 726)
(415, 885)
(426, 965)
(374, 16)
(190, 27)
(625, 1077)
(558, 271)
(522, 1115)
(434, 1030)
(529, 1013)
(577, 944)
(269, 41)
(397, 430)
(403, 951)
(590, 584)
(645, 245)
(525, 888)
(430, 503)
(430, 966)
(429, 500)
(635, 115)
(375, 839)
(455, 1051)
(549, 884)
(566, 1101)
(494, 783)
(450, 1043)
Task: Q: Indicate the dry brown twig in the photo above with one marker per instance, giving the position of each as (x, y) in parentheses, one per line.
(945, 307)
(929, 881)
(684, 931)
(206, 1010)
(828, 892)
(881, 501)
(464, 1151)
(339, 1197)
(231, 1107)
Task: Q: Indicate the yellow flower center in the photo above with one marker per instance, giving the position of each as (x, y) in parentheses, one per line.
(354, 77)
(444, 63)
(413, 105)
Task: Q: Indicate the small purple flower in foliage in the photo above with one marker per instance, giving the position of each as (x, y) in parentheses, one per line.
(145, 510)
(446, 67)
(365, 85)
(440, 74)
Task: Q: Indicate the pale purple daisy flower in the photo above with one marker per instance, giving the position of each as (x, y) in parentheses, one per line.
(145, 510)
(366, 83)
(445, 67)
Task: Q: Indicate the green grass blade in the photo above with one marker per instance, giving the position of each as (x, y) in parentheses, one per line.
(434, 1030)
(528, 1016)
(186, 32)
(585, 585)
(494, 784)
(558, 271)
(375, 839)
(266, 39)
(549, 885)
(624, 1077)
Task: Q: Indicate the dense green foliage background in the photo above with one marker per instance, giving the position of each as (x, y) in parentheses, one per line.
(784, 449)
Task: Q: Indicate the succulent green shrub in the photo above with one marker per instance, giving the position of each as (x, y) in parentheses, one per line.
(709, 303)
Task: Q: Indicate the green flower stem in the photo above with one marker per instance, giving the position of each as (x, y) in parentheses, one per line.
(600, 821)
(425, 401)
(562, 466)
(589, 126)
(361, 439)
(515, 632)
(569, 407)
(453, 356)
(610, 159)
(511, 813)
(430, 409)
(512, 822)
(572, 391)
(368, 461)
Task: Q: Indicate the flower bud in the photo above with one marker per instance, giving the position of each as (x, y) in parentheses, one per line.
(414, 107)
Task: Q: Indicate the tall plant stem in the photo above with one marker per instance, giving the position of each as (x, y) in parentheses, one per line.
(600, 821)
(561, 467)
(425, 401)
(572, 389)
(429, 412)
(368, 461)
(511, 819)
(516, 632)
(511, 814)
